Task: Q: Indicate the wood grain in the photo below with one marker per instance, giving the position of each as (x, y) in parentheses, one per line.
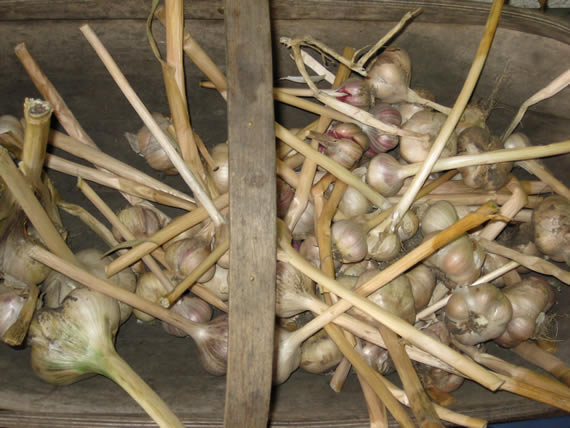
(252, 213)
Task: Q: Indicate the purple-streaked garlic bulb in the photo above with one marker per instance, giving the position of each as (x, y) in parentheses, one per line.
(383, 246)
(477, 314)
(12, 300)
(292, 290)
(220, 174)
(381, 142)
(389, 75)
(530, 300)
(212, 342)
(144, 144)
(422, 281)
(551, 221)
(357, 93)
(141, 222)
(429, 123)
(384, 174)
(349, 131)
(319, 353)
(186, 255)
(192, 308)
(476, 140)
(344, 151)
(378, 358)
(348, 241)
(408, 226)
(57, 286)
(353, 202)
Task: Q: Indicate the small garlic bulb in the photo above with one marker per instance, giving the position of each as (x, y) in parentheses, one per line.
(186, 255)
(474, 115)
(438, 216)
(145, 145)
(357, 93)
(353, 202)
(349, 131)
(310, 251)
(389, 75)
(379, 141)
(141, 222)
(384, 174)
(488, 177)
(343, 151)
(219, 284)
(220, 174)
(151, 289)
(426, 122)
(407, 110)
(378, 358)
(530, 300)
(349, 241)
(422, 281)
(408, 226)
(551, 221)
(383, 246)
(319, 353)
(478, 313)
(192, 308)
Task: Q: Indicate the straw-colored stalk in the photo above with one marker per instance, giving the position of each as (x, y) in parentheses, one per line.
(287, 174)
(457, 111)
(318, 192)
(393, 322)
(545, 360)
(550, 90)
(103, 160)
(151, 124)
(317, 67)
(472, 199)
(24, 196)
(533, 263)
(173, 229)
(376, 408)
(38, 115)
(545, 176)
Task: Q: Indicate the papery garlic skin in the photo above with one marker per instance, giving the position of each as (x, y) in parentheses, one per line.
(530, 300)
(306, 223)
(219, 284)
(220, 174)
(389, 75)
(141, 222)
(212, 341)
(150, 288)
(378, 358)
(438, 216)
(477, 314)
(408, 226)
(349, 241)
(353, 202)
(551, 221)
(319, 353)
(12, 300)
(186, 255)
(384, 174)
(357, 92)
(381, 142)
(286, 356)
(422, 281)
(292, 288)
(426, 122)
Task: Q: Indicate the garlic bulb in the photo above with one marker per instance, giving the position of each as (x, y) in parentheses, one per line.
(285, 195)
(349, 131)
(353, 202)
(144, 144)
(438, 216)
(349, 241)
(357, 93)
(474, 115)
(310, 251)
(425, 122)
(220, 175)
(522, 241)
(212, 342)
(150, 288)
(141, 222)
(15, 264)
(343, 151)
(306, 224)
(356, 269)
(551, 221)
(380, 142)
(389, 75)
(192, 308)
(292, 289)
(530, 300)
(56, 287)
(12, 299)
(383, 246)
(219, 284)
(408, 226)
(395, 297)
(488, 177)
(422, 281)
(76, 341)
(384, 174)
(319, 353)
(286, 355)
(407, 110)
(222, 234)
(378, 358)
(186, 255)
(478, 313)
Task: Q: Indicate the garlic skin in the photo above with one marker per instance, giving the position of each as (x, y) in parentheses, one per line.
(141, 222)
(381, 142)
(357, 92)
(356, 269)
(474, 115)
(487, 177)
(343, 151)
(378, 358)
(319, 353)
(383, 246)
(438, 216)
(285, 195)
(349, 131)
(551, 222)
(186, 255)
(422, 281)
(389, 75)
(222, 233)
(530, 300)
(67, 342)
(310, 251)
(219, 284)
(57, 287)
(395, 297)
(212, 342)
(12, 300)
(151, 289)
(408, 226)
(192, 308)
(407, 110)
(220, 174)
(306, 223)
(478, 313)
(291, 290)
(384, 174)
(144, 144)
(286, 356)
(349, 241)
(426, 122)
(353, 202)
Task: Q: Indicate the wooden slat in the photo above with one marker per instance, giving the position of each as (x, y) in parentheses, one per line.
(252, 213)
